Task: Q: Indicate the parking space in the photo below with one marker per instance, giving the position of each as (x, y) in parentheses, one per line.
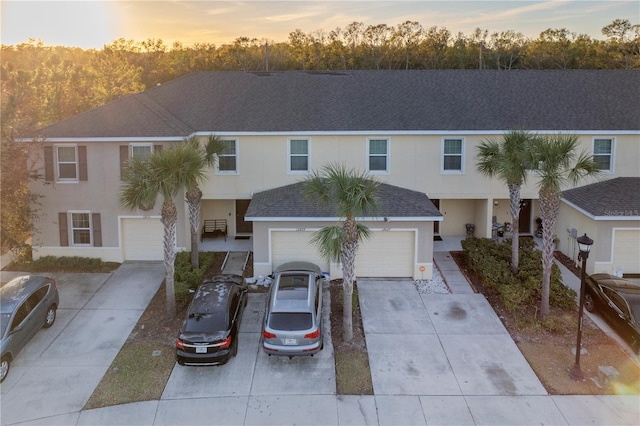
(254, 373)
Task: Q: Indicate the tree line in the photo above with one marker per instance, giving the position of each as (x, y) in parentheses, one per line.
(44, 84)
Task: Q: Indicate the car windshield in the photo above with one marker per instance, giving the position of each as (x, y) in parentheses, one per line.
(205, 322)
(4, 322)
(290, 321)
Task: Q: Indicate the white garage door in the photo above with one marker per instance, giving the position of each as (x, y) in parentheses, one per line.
(288, 246)
(142, 239)
(626, 251)
(386, 254)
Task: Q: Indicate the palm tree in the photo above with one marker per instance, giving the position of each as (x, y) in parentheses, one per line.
(193, 195)
(558, 165)
(507, 159)
(165, 173)
(354, 195)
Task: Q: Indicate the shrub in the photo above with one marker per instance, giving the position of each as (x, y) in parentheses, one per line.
(491, 261)
(185, 278)
(63, 264)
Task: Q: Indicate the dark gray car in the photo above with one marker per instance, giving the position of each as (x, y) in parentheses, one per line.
(27, 304)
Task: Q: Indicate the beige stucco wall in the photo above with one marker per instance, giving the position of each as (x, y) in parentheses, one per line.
(415, 163)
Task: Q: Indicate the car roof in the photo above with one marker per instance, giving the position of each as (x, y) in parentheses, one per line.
(299, 266)
(616, 283)
(18, 289)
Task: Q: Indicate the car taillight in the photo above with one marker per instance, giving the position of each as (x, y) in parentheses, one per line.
(179, 344)
(313, 335)
(225, 343)
(268, 335)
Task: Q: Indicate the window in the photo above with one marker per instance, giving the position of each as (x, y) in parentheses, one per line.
(299, 155)
(141, 151)
(378, 155)
(452, 155)
(228, 158)
(80, 228)
(603, 154)
(67, 162)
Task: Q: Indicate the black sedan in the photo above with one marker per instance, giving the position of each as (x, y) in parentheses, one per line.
(618, 301)
(209, 334)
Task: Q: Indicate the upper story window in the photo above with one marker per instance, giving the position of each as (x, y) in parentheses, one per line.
(378, 155)
(141, 151)
(228, 158)
(453, 155)
(67, 162)
(603, 153)
(80, 228)
(299, 155)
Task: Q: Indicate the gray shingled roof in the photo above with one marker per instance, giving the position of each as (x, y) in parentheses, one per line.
(427, 100)
(614, 197)
(289, 201)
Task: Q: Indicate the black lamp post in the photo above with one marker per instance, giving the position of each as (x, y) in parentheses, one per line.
(584, 244)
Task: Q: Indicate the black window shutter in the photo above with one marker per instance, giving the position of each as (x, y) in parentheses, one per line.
(97, 229)
(48, 164)
(82, 163)
(157, 148)
(64, 229)
(124, 159)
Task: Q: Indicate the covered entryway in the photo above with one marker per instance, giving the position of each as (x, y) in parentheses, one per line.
(387, 254)
(287, 246)
(626, 246)
(142, 239)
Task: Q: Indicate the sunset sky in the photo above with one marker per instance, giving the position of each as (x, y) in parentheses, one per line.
(92, 24)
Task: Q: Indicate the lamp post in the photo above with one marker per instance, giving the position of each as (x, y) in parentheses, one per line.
(584, 244)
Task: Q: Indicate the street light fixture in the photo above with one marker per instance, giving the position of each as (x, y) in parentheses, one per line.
(584, 244)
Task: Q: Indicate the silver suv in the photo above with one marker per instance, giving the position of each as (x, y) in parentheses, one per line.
(27, 304)
(293, 316)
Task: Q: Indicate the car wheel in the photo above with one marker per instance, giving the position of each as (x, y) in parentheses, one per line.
(589, 304)
(51, 316)
(234, 350)
(5, 365)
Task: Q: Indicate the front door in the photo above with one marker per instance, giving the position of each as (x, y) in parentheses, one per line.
(242, 226)
(524, 220)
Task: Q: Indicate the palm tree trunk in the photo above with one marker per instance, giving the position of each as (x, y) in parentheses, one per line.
(194, 203)
(549, 206)
(348, 271)
(514, 195)
(169, 219)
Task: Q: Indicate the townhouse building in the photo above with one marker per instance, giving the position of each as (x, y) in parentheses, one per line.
(415, 131)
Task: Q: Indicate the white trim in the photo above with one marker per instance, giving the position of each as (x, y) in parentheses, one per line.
(70, 228)
(298, 172)
(236, 155)
(387, 156)
(462, 155)
(612, 154)
(140, 144)
(56, 161)
(181, 138)
(635, 216)
(340, 219)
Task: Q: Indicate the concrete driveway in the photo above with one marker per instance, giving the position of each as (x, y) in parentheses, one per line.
(55, 374)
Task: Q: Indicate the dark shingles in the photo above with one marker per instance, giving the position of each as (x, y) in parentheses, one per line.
(289, 201)
(428, 100)
(614, 197)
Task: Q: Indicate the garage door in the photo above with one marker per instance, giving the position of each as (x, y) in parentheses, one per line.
(626, 251)
(287, 246)
(142, 239)
(386, 254)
